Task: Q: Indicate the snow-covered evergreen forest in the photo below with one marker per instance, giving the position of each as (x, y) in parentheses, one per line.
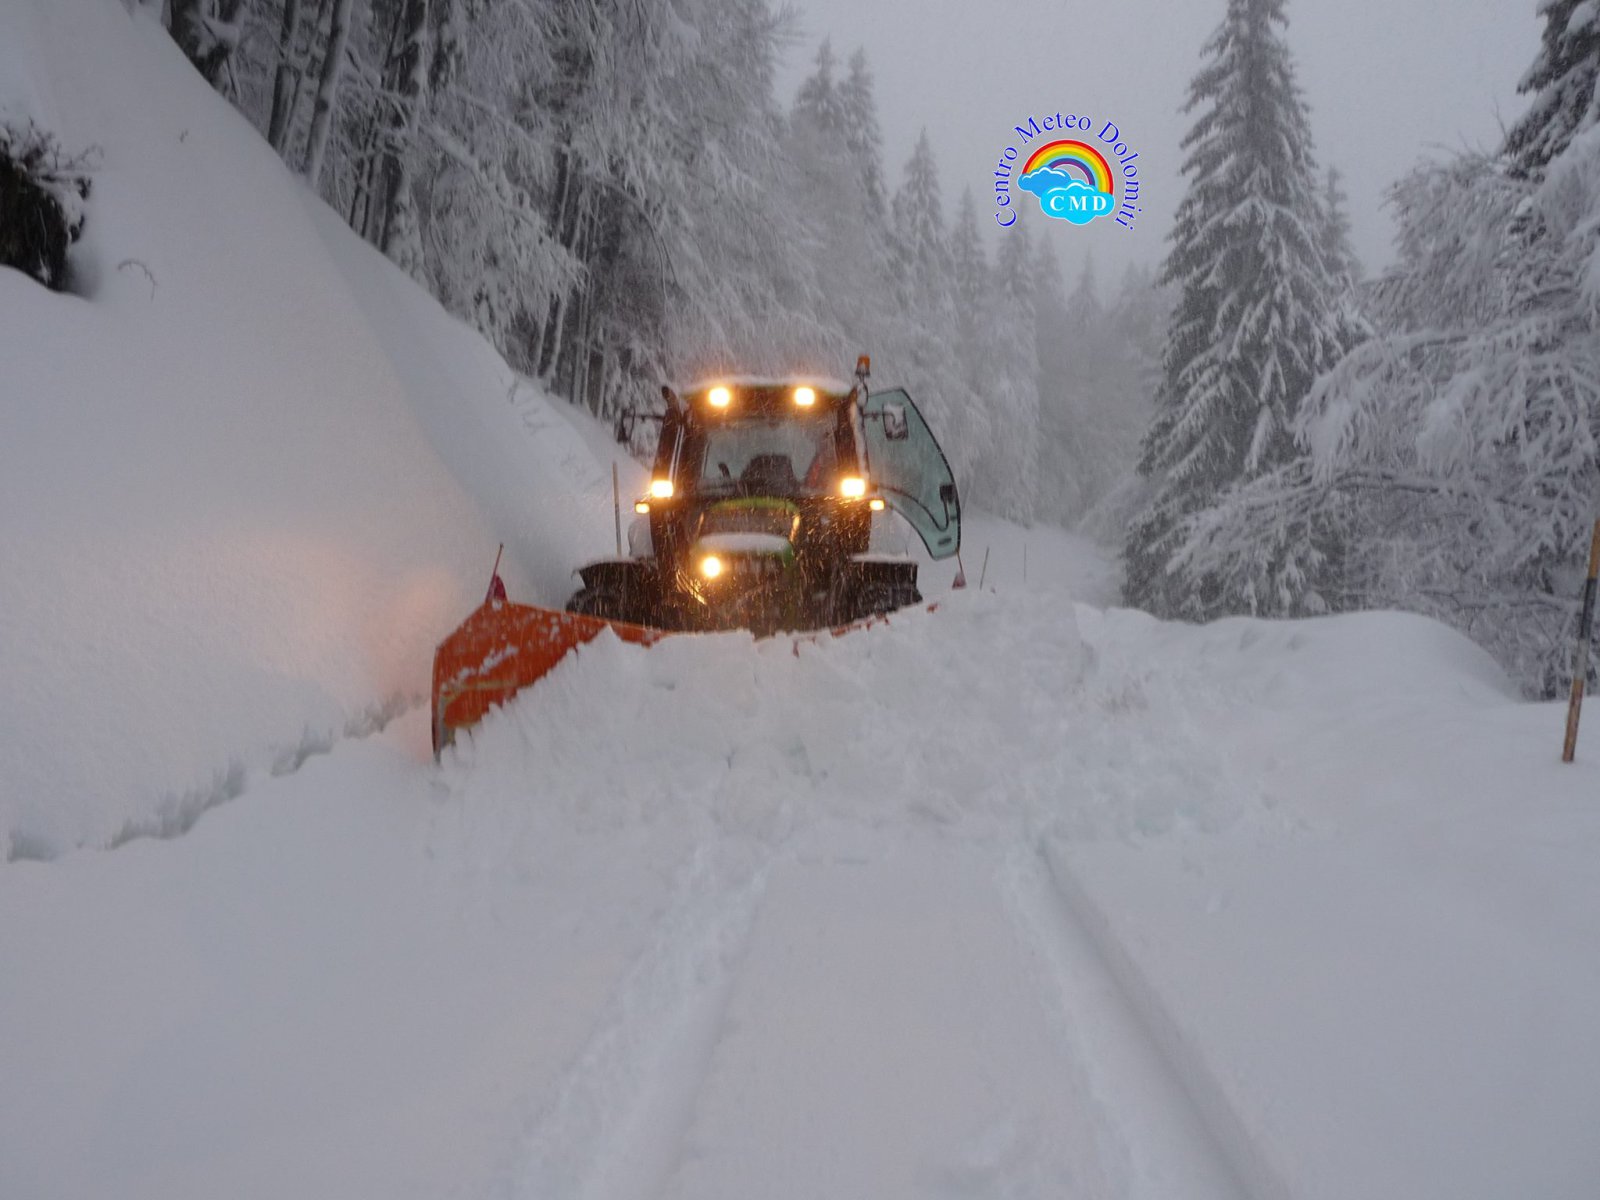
(615, 193)
(1424, 440)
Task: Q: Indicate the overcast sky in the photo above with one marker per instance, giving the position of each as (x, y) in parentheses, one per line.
(1388, 82)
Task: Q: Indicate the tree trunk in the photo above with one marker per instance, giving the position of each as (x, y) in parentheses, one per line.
(327, 91)
(188, 27)
(583, 392)
(361, 195)
(400, 220)
(209, 32)
(287, 80)
(550, 321)
(369, 167)
(569, 310)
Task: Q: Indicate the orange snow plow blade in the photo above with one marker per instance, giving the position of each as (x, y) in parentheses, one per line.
(502, 648)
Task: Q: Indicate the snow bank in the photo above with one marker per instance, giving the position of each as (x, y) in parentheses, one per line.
(294, 999)
(937, 714)
(249, 477)
(1373, 963)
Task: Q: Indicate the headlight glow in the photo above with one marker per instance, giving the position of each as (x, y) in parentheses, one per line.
(661, 489)
(805, 397)
(852, 487)
(876, 504)
(711, 566)
(641, 506)
(720, 397)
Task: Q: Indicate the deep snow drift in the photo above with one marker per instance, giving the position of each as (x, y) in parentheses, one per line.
(249, 481)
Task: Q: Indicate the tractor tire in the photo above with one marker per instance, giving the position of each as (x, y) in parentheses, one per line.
(604, 603)
(880, 599)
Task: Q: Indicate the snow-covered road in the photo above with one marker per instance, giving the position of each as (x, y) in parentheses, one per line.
(1001, 900)
(861, 977)
(720, 921)
(864, 1013)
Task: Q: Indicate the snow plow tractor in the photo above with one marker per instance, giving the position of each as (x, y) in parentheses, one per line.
(759, 516)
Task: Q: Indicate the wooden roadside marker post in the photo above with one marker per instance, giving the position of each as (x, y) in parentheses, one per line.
(1580, 666)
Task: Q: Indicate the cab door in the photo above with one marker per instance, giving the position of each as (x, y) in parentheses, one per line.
(909, 470)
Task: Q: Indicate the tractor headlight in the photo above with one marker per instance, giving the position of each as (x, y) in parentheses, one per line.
(711, 566)
(805, 397)
(876, 504)
(852, 487)
(661, 489)
(641, 506)
(720, 397)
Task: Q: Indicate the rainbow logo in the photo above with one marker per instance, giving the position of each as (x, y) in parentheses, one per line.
(1079, 156)
(1071, 180)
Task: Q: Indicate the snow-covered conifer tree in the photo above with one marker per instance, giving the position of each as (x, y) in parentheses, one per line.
(1562, 80)
(1256, 320)
(1338, 255)
(1456, 449)
(819, 99)
(920, 332)
(922, 253)
(975, 351)
(1460, 443)
(969, 278)
(743, 293)
(865, 142)
(1008, 454)
(1075, 358)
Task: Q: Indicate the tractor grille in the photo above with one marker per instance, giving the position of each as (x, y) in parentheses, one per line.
(755, 567)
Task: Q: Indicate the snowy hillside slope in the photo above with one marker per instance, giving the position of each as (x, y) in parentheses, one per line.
(253, 473)
(249, 478)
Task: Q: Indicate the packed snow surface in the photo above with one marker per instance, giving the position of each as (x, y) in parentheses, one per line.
(1009, 898)
(1022, 897)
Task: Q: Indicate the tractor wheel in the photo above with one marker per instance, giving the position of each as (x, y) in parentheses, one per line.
(879, 599)
(604, 603)
(876, 599)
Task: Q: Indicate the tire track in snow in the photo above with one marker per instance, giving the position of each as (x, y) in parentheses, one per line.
(1152, 1123)
(620, 1112)
(1189, 1140)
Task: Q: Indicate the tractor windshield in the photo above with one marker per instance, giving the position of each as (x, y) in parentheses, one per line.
(761, 456)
